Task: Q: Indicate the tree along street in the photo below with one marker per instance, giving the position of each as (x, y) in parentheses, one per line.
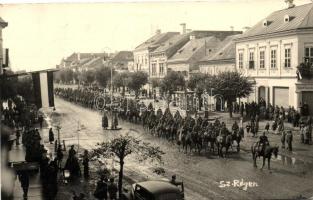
(205, 176)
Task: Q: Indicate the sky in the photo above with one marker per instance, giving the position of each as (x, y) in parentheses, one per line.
(40, 35)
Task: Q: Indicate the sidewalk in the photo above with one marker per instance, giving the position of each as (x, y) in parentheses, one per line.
(16, 155)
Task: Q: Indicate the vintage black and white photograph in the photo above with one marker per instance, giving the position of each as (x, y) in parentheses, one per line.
(156, 100)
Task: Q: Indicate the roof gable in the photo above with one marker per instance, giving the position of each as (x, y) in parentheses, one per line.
(226, 50)
(155, 40)
(123, 56)
(172, 43)
(300, 17)
(191, 49)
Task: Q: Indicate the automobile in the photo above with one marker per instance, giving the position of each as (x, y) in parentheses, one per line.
(155, 190)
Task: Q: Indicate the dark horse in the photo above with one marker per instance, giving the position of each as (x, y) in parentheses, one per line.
(221, 142)
(266, 153)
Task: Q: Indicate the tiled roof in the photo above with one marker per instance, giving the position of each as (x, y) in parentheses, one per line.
(226, 50)
(172, 42)
(123, 56)
(155, 40)
(191, 49)
(301, 17)
(74, 56)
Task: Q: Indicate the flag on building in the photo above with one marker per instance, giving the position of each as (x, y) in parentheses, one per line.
(43, 89)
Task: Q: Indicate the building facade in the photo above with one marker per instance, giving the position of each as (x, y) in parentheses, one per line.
(270, 53)
(142, 52)
(186, 58)
(3, 24)
(160, 56)
(223, 60)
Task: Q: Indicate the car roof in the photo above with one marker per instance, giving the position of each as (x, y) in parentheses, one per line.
(159, 187)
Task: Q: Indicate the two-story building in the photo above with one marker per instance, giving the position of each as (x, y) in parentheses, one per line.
(142, 52)
(3, 61)
(160, 56)
(186, 58)
(270, 53)
(121, 60)
(221, 60)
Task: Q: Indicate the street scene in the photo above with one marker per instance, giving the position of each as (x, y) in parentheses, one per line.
(190, 111)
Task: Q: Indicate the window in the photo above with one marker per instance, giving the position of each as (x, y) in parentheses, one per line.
(240, 62)
(273, 58)
(262, 59)
(251, 60)
(153, 66)
(287, 57)
(308, 55)
(161, 65)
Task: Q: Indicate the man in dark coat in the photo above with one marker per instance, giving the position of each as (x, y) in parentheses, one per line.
(112, 188)
(40, 119)
(51, 136)
(23, 176)
(105, 122)
(101, 191)
(86, 164)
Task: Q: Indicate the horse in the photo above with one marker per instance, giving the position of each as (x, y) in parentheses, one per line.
(185, 139)
(221, 142)
(266, 153)
(236, 136)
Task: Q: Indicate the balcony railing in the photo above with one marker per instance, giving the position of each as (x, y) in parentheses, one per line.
(305, 70)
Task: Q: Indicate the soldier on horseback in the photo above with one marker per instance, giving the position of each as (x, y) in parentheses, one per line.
(263, 141)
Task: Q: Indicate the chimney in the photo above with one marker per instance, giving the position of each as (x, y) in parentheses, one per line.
(78, 56)
(231, 28)
(183, 25)
(290, 3)
(158, 32)
(246, 28)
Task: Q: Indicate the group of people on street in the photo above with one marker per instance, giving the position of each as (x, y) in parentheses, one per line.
(21, 118)
(106, 189)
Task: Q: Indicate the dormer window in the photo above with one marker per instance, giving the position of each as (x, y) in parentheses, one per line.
(287, 18)
(266, 23)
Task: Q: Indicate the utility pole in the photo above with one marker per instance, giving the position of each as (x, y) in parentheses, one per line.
(78, 129)
(112, 96)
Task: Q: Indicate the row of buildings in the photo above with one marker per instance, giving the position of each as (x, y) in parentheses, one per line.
(269, 53)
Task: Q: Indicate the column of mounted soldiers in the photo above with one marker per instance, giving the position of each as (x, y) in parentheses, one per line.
(196, 133)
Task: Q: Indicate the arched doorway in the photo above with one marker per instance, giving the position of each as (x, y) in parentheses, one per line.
(219, 102)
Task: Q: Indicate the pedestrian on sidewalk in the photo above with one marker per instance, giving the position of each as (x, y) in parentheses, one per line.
(51, 136)
(289, 138)
(101, 191)
(112, 188)
(40, 119)
(59, 156)
(71, 152)
(23, 176)
(18, 135)
(283, 139)
(267, 127)
(86, 164)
